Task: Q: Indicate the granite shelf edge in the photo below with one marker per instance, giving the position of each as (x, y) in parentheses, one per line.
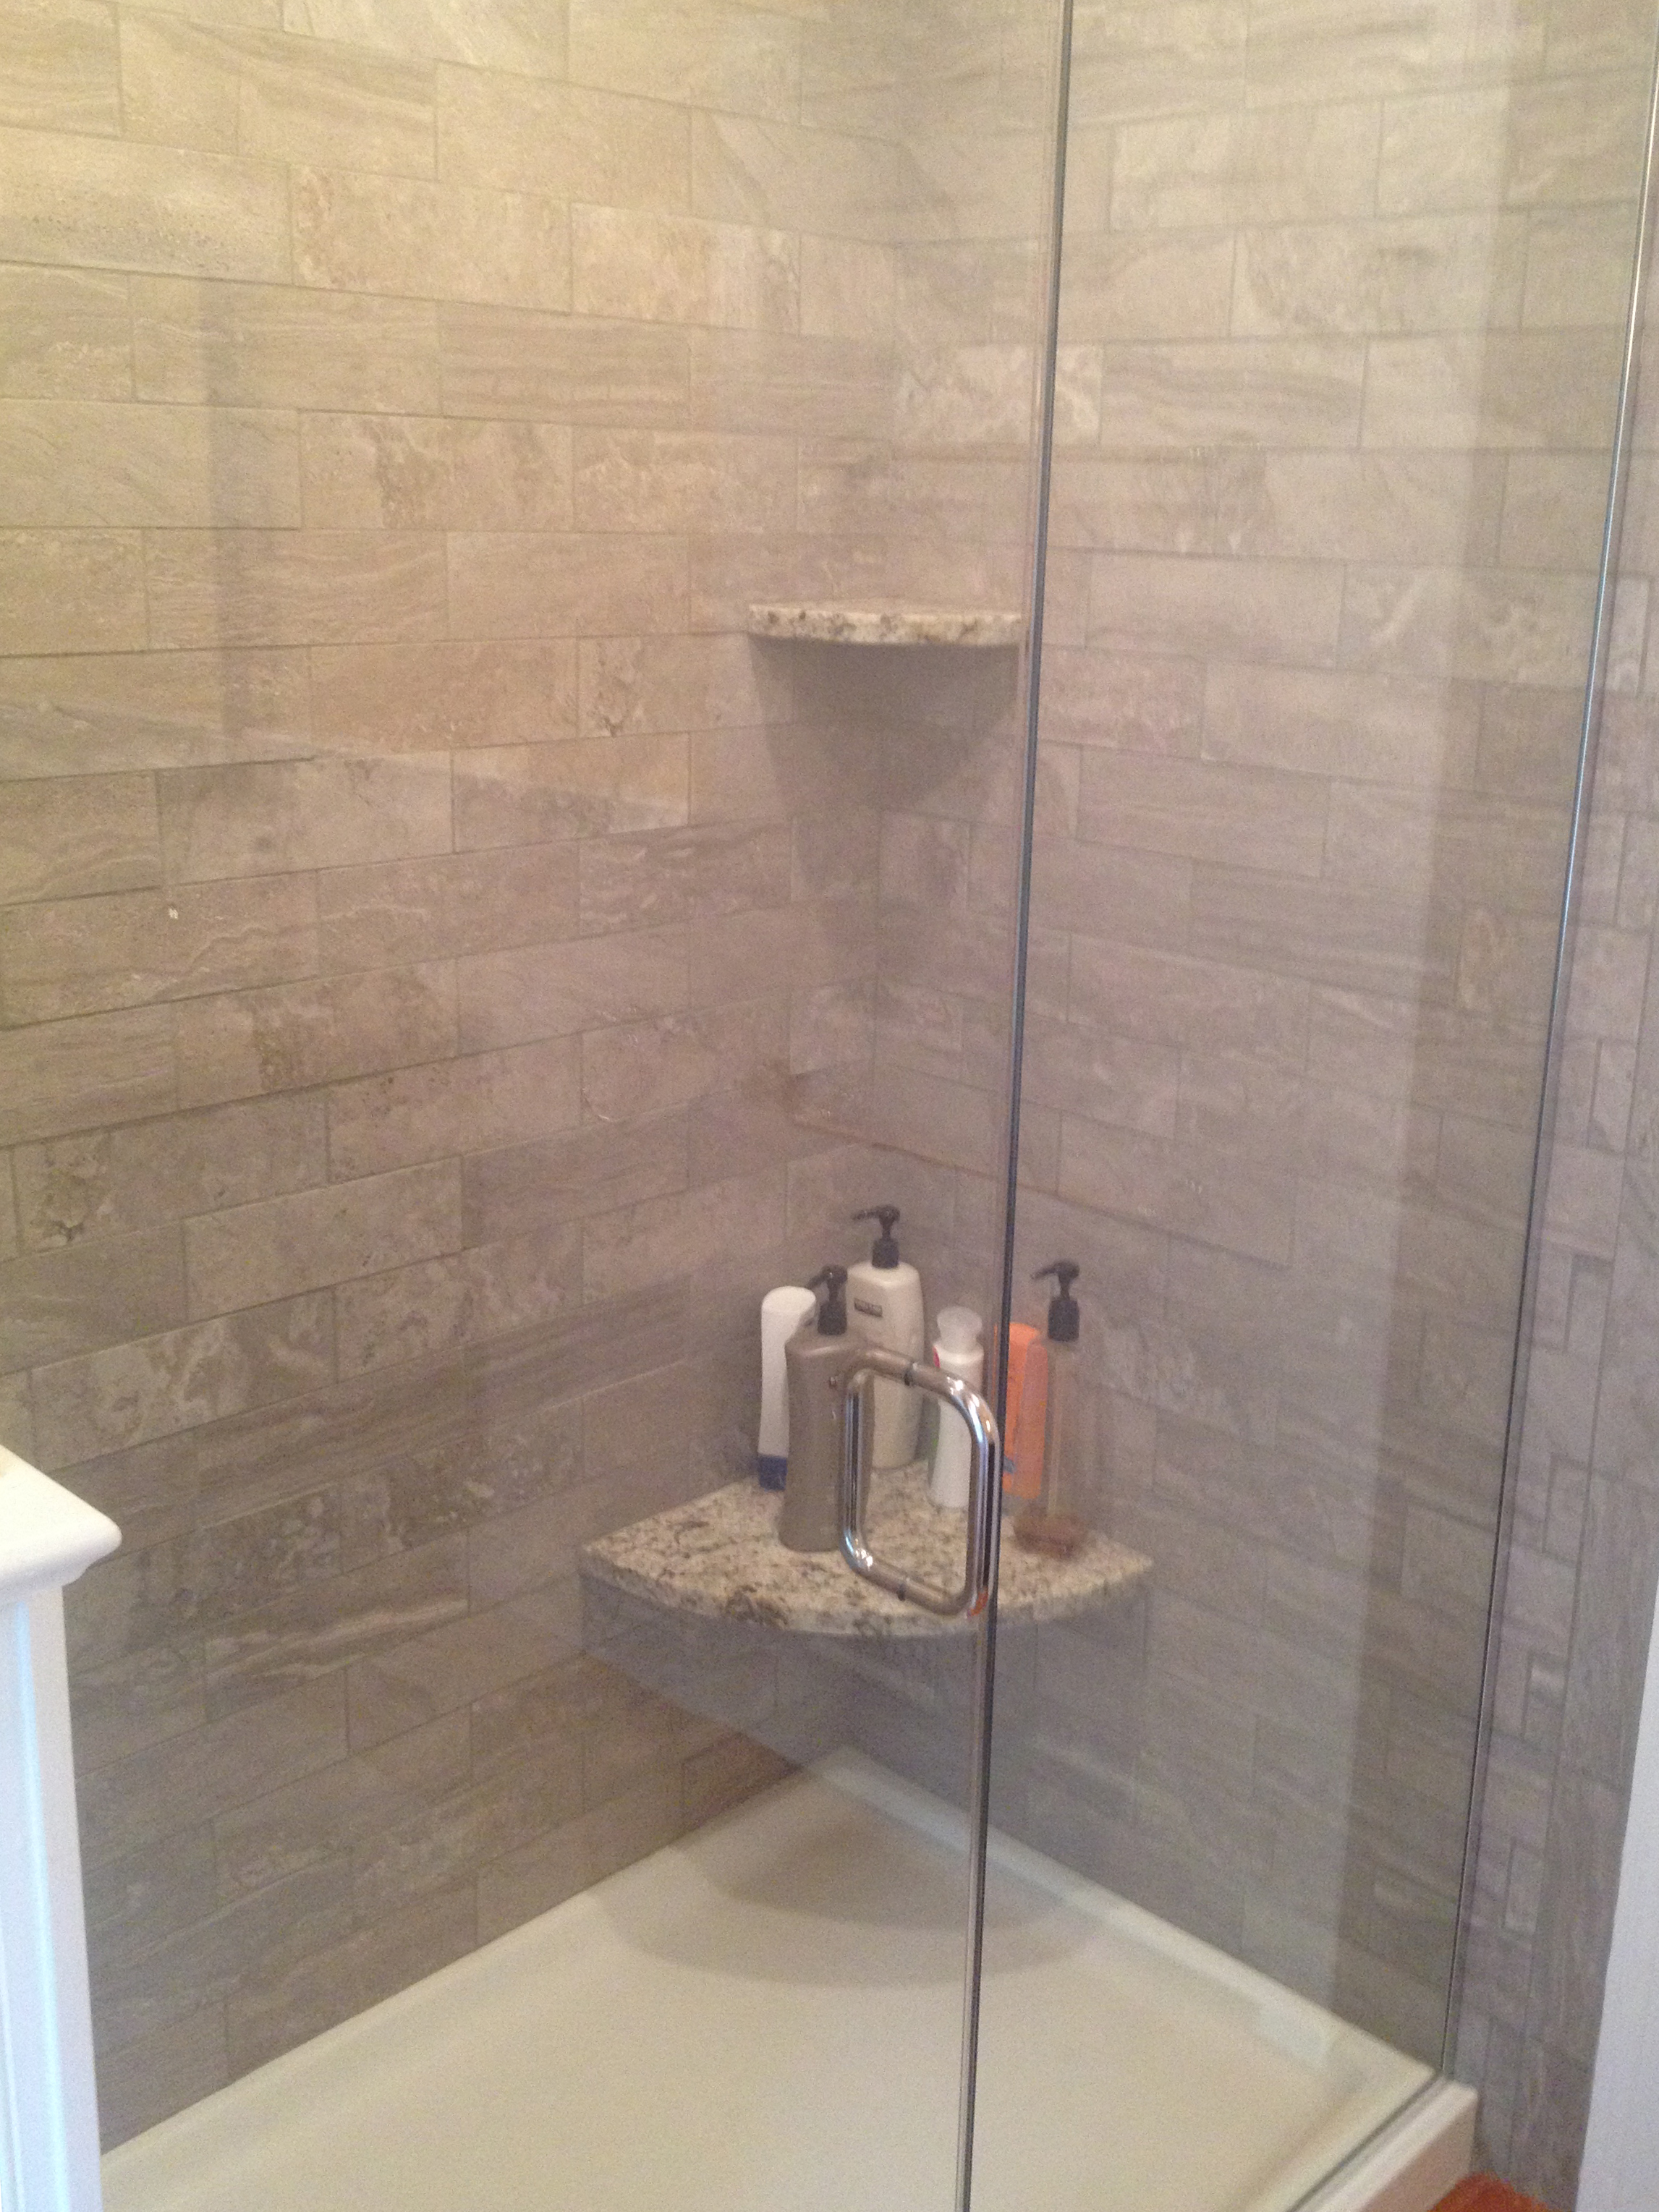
(718, 1559)
(882, 623)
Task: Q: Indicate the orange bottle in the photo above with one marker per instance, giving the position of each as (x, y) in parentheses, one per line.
(1026, 1414)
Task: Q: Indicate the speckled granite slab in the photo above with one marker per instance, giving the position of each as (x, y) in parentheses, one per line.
(720, 1558)
(876, 622)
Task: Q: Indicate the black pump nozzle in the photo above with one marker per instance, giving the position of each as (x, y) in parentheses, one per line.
(884, 1253)
(832, 1313)
(1064, 1319)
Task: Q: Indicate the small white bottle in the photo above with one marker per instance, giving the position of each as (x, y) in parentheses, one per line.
(782, 1312)
(884, 1306)
(958, 1349)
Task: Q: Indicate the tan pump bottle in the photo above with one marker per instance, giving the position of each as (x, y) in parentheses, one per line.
(819, 1357)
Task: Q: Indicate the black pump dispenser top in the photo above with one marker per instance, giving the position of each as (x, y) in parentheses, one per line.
(884, 1252)
(832, 1313)
(1064, 1319)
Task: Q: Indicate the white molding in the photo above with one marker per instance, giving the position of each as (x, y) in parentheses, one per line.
(48, 2090)
(1414, 2163)
(1621, 2150)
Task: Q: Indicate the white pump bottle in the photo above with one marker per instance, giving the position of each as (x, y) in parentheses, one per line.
(883, 1303)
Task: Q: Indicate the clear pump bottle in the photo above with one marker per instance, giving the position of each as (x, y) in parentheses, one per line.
(1054, 1522)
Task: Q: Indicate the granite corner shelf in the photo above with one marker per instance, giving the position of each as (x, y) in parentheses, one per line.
(884, 621)
(719, 1559)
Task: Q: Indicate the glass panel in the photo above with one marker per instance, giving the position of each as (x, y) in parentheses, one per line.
(1346, 286)
(453, 967)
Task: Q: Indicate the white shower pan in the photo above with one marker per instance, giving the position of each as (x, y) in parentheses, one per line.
(765, 2017)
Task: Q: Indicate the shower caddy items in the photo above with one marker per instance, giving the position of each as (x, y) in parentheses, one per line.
(1043, 1469)
(958, 1349)
(883, 1294)
(819, 1356)
(782, 1312)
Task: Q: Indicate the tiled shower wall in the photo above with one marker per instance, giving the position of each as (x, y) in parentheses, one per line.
(438, 951)
(1584, 1549)
(1348, 285)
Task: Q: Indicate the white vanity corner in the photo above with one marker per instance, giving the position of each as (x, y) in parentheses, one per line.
(48, 2092)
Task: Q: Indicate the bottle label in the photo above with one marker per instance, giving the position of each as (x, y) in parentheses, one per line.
(864, 1306)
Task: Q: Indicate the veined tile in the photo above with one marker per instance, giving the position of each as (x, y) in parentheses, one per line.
(434, 908)
(526, 586)
(272, 817)
(1377, 728)
(293, 587)
(54, 1304)
(564, 1178)
(525, 35)
(1200, 809)
(71, 591)
(1458, 272)
(361, 232)
(782, 177)
(276, 1248)
(566, 142)
(110, 712)
(431, 1308)
(64, 334)
(66, 836)
(1492, 626)
(433, 473)
(59, 67)
(86, 1072)
(659, 481)
(270, 345)
(1304, 392)
(428, 698)
(695, 52)
(244, 1044)
(1261, 610)
(505, 362)
(1245, 165)
(545, 793)
(111, 204)
(584, 983)
(671, 268)
(93, 465)
(470, 1104)
(1512, 390)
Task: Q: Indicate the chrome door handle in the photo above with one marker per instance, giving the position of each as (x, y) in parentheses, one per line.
(979, 1579)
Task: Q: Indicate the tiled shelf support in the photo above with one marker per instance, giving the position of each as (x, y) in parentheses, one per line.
(48, 2095)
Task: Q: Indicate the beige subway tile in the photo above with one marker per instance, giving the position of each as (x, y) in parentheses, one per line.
(1118, 894)
(1292, 391)
(1380, 728)
(1332, 931)
(578, 1853)
(960, 183)
(498, 1814)
(65, 837)
(847, 289)
(274, 96)
(1348, 49)
(1137, 286)
(454, 1106)
(565, 142)
(1431, 1056)
(555, 990)
(526, 35)
(59, 67)
(376, 472)
(130, 948)
(277, 2006)
(1460, 272)
(1244, 166)
(1555, 507)
(279, 1246)
(1506, 965)
(56, 1304)
(1140, 60)
(566, 1178)
(1491, 626)
(1514, 390)
(1579, 265)
(82, 1073)
(64, 334)
(1213, 1196)
(1574, 140)
(1171, 999)
(293, 587)
(16, 1416)
(270, 345)
(639, 1069)
(1256, 609)
(245, 1044)
(1203, 810)
(661, 1238)
(359, 233)
(1592, 34)
(264, 818)
(777, 174)
(1361, 506)
(70, 590)
(849, 491)
(511, 584)
(981, 398)
(664, 480)
(1078, 1070)
(82, 1189)
(116, 712)
(630, 685)
(147, 2081)
(781, 381)
(432, 1308)
(631, 882)
(91, 465)
(546, 794)
(503, 361)
(433, 908)
(110, 1401)
(702, 54)
(671, 269)
(1476, 849)
(427, 698)
(113, 205)
(1143, 705)
(1445, 150)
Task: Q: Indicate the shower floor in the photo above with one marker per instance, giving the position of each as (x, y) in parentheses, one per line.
(765, 2016)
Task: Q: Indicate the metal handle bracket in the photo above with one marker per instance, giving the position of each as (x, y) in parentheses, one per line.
(979, 1578)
